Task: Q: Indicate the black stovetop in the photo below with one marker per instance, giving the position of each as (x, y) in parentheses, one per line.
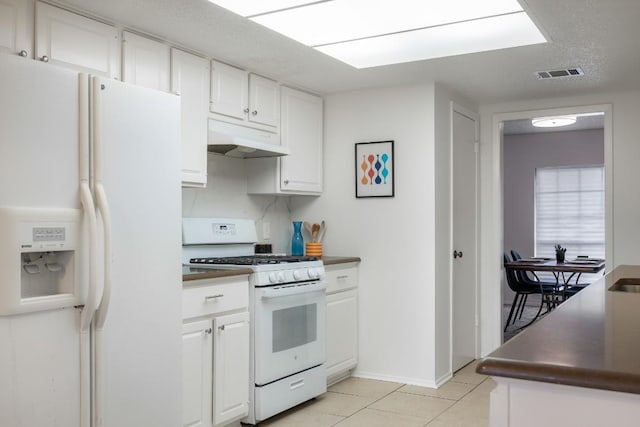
(252, 259)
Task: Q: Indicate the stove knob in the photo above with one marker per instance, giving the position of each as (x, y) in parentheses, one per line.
(273, 277)
(299, 274)
(281, 276)
(313, 273)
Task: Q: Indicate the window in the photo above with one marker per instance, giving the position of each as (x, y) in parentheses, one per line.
(570, 211)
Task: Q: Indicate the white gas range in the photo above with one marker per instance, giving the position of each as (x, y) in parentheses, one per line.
(287, 308)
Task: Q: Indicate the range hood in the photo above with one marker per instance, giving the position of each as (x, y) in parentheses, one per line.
(242, 142)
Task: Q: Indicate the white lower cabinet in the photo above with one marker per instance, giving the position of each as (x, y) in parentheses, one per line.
(230, 367)
(215, 351)
(342, 320)
(196, 373)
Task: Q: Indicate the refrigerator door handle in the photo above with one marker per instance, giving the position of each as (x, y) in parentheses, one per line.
(86, 199)
(103, 207)
(90, 305)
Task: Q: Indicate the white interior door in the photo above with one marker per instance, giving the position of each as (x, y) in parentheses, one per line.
(464, 237)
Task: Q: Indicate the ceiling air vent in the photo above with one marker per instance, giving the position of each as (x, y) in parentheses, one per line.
(554, 74)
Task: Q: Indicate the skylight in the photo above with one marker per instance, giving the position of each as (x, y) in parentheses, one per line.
(370, 33)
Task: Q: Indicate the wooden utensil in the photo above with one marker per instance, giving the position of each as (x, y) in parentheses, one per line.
(323, 228)
(314, 232)
(307, 226)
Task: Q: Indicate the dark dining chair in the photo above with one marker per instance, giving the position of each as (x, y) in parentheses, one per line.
(524, 276)
(522, 291)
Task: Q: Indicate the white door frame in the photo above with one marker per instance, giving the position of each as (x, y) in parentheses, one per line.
(495, 273)
(453, 108)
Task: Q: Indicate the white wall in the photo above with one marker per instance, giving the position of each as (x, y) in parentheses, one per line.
(626, 202)
(226, 196)
(404, 295)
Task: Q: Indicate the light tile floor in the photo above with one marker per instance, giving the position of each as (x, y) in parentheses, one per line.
(357, 402)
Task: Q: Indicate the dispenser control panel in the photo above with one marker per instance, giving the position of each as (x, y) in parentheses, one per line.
(49, 234)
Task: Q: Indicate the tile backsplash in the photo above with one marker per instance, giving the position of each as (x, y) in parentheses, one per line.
(226, 196)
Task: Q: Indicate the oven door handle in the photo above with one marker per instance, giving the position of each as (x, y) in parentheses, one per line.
(279, 291)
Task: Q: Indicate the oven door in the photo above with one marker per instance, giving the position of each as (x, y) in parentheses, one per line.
(289, 329)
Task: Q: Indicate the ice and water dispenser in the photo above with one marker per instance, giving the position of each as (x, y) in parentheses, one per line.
(40, 261)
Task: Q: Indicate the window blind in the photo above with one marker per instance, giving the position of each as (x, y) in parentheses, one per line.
(569, 210)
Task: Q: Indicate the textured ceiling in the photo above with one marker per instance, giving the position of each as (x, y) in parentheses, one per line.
(598, 35)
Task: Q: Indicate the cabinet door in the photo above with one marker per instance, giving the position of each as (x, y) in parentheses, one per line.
(231, 368)
(229, 90)
(14, 32)
(145, 62)
(73, 41)
(301, 131)
(264, 101)
(196, 373)
(190, 79)
(342, 331)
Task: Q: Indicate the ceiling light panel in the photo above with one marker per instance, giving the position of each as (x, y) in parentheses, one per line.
(497, 32)
(256, 7)
(342, 20)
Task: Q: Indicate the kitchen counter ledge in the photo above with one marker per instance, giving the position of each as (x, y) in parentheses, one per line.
(591, 341)
(331, 260)
(195, 273)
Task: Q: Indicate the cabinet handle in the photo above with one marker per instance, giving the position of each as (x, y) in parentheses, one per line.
(286, 182)
(212, 297)
(208, 331)
(23, 53)
(342, 277)
(246, 110)
(221, 327)
(254, 112)
(44, 58)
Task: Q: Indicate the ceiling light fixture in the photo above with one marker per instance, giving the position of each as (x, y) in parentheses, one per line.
(365, 34)
(553, 122)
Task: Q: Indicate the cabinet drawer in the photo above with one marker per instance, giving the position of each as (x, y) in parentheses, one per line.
(341, 279)
(206, 297)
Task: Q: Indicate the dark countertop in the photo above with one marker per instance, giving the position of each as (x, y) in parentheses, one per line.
(592, 340)
(195, 273)
(331, 260)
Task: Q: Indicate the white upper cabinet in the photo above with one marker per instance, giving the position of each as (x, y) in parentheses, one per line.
(244, 98)
(264, 101)
(229, 91)
(190, 80)
(145, 62)
(74, 41)
(15, 31)
(301, 130)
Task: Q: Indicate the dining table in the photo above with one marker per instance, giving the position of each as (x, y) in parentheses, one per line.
(564, 272)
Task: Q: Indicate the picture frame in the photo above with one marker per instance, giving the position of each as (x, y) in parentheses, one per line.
(374, 167)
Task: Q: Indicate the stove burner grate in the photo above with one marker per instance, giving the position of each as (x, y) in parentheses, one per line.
(252, 260)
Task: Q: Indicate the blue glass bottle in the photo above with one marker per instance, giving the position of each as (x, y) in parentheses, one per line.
(297, 242)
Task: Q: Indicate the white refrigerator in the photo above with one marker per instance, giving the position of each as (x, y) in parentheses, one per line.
(90, 250)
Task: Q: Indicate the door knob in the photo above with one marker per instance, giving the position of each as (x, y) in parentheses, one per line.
(457, 254)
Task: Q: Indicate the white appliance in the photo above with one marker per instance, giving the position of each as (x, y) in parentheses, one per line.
(287, 312)
(90, 275)
(243, 142)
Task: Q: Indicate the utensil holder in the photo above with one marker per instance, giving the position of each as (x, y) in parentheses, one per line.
(313, 249)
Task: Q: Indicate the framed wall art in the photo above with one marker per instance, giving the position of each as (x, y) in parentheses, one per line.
(374, 169)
